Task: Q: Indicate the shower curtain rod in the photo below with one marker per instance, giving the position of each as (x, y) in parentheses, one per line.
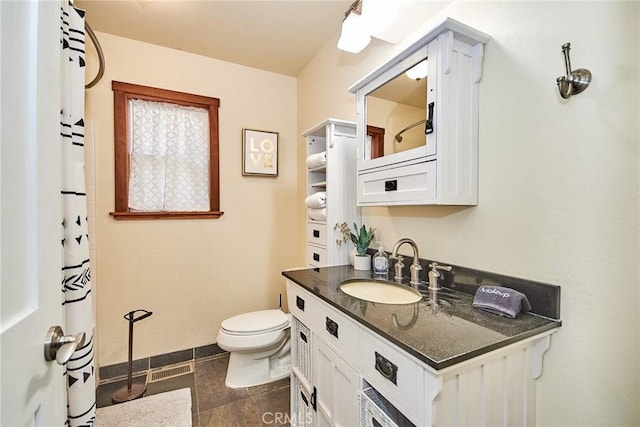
(411, 126)
(96, 43)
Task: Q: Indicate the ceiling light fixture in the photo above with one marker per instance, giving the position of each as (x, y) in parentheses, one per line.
(418, 71)
(355, 32)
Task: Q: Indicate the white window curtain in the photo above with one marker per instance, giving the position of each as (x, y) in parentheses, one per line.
(169, 157)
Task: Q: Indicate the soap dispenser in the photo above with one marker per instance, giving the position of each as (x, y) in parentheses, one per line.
(381, 262)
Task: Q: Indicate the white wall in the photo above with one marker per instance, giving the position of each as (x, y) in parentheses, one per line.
(559, 186)
(191, 273)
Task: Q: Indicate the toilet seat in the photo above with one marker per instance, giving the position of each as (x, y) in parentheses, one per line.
(256, 322)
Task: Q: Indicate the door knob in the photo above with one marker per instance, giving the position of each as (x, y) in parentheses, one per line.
(60, 347)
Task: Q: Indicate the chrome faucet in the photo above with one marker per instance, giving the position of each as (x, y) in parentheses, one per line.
(415, 267)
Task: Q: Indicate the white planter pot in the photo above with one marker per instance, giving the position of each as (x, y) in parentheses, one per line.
(362, 262)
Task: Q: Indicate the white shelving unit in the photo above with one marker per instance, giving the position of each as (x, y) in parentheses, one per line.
(338, 179)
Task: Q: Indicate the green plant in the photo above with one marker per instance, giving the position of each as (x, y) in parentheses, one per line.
(361, 239)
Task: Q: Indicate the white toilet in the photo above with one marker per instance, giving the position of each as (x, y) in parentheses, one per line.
(259, 346)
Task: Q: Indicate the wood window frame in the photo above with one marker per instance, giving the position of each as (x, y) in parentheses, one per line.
(377, 141)
(122, 93)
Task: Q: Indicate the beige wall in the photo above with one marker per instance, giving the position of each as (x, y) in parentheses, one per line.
(558, 186)
(192, 273)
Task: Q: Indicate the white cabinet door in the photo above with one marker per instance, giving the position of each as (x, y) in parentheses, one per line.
(337, 387)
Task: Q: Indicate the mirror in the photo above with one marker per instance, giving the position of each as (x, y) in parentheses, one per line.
(398, 109)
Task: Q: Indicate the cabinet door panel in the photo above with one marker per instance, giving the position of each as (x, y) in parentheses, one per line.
(316, 256)
(394, 375)
(301, 351)
(317, 233)
(301, 303)
(340, 333)
(399, 185)
(301, 413)
(337, 387)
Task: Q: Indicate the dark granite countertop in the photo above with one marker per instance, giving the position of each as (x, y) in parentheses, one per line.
(441, 334)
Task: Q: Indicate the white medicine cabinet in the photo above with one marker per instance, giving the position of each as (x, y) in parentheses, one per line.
(429, 151)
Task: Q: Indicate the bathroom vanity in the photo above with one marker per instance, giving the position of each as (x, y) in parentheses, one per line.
(431, 363)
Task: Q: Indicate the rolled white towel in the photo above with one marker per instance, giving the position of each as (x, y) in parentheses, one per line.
(317, 160)
(317, 214)
(316, 200)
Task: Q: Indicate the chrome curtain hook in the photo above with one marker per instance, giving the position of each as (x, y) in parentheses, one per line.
(573, 82)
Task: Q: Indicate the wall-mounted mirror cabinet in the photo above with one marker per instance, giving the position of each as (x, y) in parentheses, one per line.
(424, 103)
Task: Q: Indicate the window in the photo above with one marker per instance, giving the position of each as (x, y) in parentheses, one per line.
(376, 140)
(166, 154)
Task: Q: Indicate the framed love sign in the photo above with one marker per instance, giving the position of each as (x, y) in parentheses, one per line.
(259, 152)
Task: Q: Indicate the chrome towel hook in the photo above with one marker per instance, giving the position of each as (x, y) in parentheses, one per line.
(574, 81)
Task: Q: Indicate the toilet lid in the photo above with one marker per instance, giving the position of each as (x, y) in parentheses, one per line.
(256, 322)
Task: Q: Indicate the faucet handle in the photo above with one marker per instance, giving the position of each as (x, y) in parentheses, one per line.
(434, 274)
(398, 268)
(435, 267)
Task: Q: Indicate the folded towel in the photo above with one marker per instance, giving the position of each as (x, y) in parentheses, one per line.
(316, 200)
(500, 300)
(317, 160)
(317, 214)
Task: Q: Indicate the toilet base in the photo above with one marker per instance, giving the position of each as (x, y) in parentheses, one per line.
(245, 370)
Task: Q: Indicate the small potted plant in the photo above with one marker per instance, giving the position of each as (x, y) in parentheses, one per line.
(361, 240)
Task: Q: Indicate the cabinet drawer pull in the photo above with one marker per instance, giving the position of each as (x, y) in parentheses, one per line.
(428, 127)
(391, 185)
(316, 234)
(303, 337)
(332, 327)
(299, 303)
(316, 256)
(386, 368)
(304, 398)
(314, 399)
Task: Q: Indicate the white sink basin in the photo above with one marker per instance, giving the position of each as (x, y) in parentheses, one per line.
(380, 291)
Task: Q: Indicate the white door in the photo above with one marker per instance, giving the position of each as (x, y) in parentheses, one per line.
(337, 386)
(33, 390)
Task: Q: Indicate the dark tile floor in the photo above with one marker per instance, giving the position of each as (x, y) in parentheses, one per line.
(213, 404)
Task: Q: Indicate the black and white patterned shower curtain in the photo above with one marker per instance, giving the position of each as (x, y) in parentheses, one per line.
(76, 282)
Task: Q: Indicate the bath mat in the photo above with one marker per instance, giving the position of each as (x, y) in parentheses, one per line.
(170, 409)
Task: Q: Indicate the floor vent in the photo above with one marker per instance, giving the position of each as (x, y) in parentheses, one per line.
(169, 372)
